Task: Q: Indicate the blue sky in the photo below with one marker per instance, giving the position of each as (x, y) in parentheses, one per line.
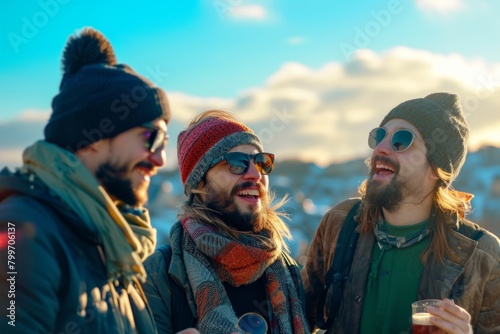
(308, 76)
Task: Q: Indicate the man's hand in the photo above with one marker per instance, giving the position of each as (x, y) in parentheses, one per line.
(451, 318)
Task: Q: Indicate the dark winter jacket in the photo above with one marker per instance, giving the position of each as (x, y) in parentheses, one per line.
(56, 280)
(473, 281)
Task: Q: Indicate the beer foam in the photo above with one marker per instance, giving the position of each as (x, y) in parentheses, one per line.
(423, 319)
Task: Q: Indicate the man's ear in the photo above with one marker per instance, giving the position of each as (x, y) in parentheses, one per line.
(94, 154)
(434, 174)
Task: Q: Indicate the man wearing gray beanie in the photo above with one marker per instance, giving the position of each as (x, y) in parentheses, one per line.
(410, 239)
(75, 229)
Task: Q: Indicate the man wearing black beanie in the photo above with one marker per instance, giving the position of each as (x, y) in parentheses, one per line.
(414, 240)
(75, 229)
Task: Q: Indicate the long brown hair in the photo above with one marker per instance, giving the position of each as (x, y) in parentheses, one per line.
(448, 206)
(194, 207)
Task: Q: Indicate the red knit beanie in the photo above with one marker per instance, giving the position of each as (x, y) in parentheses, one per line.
(203, 142)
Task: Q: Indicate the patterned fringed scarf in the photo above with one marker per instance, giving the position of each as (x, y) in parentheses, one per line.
(236, 262)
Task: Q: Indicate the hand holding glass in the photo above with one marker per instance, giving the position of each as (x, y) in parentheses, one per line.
(421, 318)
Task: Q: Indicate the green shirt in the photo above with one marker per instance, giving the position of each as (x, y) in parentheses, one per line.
(392, 284)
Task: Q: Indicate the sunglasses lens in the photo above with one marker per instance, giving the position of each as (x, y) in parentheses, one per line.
(376, 136)
(264, 162)
(237, 162)
(153, 137)
(401, 140)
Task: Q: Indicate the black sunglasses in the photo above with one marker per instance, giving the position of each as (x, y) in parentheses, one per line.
(401, 139)
(239, 162)
(156, 137)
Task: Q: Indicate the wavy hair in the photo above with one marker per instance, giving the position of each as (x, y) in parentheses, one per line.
(449, 205)
(194, 207)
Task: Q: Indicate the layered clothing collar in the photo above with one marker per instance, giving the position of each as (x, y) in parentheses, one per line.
(125, 233)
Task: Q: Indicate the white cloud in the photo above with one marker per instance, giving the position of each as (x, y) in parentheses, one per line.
(35, 115)
(335, 106)
(248, 12)
(185, 107)
(295, 40)
(489, 135)
(30, 115)
(325, 114)
(440, 6)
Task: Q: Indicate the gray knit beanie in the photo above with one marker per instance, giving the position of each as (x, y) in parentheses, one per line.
(441, 121)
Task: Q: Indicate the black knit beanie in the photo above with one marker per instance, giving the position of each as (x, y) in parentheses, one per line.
(99, 98)
(441, 121)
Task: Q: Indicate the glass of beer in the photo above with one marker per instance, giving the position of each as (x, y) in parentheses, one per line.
(421, 318)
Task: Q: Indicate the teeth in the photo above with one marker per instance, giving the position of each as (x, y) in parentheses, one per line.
(382, 166)
(248, 193)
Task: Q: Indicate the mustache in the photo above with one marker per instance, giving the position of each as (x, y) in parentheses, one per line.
(146, 165)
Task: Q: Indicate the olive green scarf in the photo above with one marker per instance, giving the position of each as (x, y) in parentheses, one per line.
(127, 238)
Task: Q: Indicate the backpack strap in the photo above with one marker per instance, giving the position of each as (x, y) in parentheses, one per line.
(181, 315)
(337, 275)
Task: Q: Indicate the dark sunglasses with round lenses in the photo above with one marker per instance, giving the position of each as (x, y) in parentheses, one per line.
(239, 162)
(155, 138)
(401, 140)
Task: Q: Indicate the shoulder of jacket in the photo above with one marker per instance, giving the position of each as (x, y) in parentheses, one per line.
(156, 266)
(486, 241)
(341, 209)
(23, 208)
(490, 243)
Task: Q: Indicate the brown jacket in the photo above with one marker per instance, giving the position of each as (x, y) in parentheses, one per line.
(478, 293)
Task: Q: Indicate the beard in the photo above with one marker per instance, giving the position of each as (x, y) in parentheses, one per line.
(388, 196)
(400, 190)
(224, 205)
(116, 181)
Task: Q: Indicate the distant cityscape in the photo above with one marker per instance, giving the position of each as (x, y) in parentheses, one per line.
(312, 190)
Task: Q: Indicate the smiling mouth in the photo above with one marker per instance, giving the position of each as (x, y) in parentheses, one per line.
(249, 193)
(381, 168)
(144, 170)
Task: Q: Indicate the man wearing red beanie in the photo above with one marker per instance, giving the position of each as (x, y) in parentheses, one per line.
(226, 269)
(73, 231)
